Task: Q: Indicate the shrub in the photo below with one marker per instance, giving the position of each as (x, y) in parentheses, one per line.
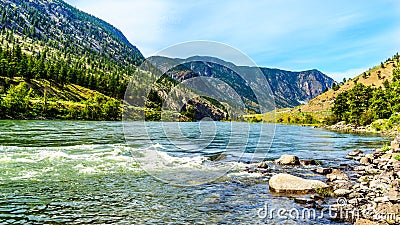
(385, 148)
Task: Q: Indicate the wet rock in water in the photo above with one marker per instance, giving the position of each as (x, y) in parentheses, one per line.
(365, 222)
(262, 165)
(218, 157)
(304, 201)
(286, 183)
(308, 162)
(341, 192)
(337, 175)
(345, 167)
(354, 153)
(323, 171)
(288, 160)
(316, 197)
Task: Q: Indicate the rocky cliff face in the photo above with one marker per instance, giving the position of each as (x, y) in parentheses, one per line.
(295, 88)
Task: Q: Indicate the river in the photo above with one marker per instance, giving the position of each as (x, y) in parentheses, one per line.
(82, 172)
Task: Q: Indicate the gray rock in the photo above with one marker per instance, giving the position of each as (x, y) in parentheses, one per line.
(395, 145)
(323, 171)
(393, 195)
(370, 156)
(304, 200)
(365, 161)
(341, 192)
(262, 165)
(288, 160)
(355, 153)
(337, 175)
(381, 199)
(286, 183)
(308, 162)
(360, 168)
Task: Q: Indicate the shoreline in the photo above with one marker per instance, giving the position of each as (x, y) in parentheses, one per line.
(353, 129)
(366, 192)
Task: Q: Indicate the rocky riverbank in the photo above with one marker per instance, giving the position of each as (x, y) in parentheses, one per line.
(375, 195)
(367, 192)
(351, 128)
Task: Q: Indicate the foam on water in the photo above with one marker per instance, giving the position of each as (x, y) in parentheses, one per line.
(81, 160)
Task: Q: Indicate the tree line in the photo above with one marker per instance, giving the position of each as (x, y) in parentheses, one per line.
(363, 104)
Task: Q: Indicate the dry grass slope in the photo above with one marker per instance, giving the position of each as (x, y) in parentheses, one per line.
(376, 78)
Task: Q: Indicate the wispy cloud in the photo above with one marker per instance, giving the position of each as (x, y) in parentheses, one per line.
(337, 36)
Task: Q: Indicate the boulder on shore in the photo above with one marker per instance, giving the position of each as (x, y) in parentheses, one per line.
(354, 154)
(288, 160)
(395, 144)
(289, 184)
(337, 175)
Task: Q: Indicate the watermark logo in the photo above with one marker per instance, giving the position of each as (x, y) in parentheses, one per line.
(339, 211)
(203, 82)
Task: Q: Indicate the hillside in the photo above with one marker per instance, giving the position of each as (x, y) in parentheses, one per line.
(59, 62)
(374, 77)
(56, 24)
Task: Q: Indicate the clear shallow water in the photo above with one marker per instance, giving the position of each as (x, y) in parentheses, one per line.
(73, 172)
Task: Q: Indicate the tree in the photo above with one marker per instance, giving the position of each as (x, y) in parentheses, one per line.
(16, 100)
(340, 106)
(380, 105)
(396, 75)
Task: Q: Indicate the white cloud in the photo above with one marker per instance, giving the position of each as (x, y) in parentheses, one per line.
(296, 35)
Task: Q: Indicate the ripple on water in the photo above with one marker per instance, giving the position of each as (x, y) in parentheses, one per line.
(83, 173)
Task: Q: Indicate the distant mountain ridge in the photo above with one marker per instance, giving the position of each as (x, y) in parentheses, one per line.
(290, 88)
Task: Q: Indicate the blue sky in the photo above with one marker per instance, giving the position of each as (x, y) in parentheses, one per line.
(341, 38)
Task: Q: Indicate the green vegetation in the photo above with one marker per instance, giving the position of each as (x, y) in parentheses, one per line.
(385, 148)
(286, 116)
(397, 157)
(324, 192)
(363, 105)
(19, 71)
(58, 62)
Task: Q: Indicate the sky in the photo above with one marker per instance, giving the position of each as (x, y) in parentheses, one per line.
(341, 38)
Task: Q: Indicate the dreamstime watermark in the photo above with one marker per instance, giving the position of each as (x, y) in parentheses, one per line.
(202, 81)
(337, 211)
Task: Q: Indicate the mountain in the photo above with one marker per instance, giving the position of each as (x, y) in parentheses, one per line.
(58, 25)
(290, 89)
(295, 88)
